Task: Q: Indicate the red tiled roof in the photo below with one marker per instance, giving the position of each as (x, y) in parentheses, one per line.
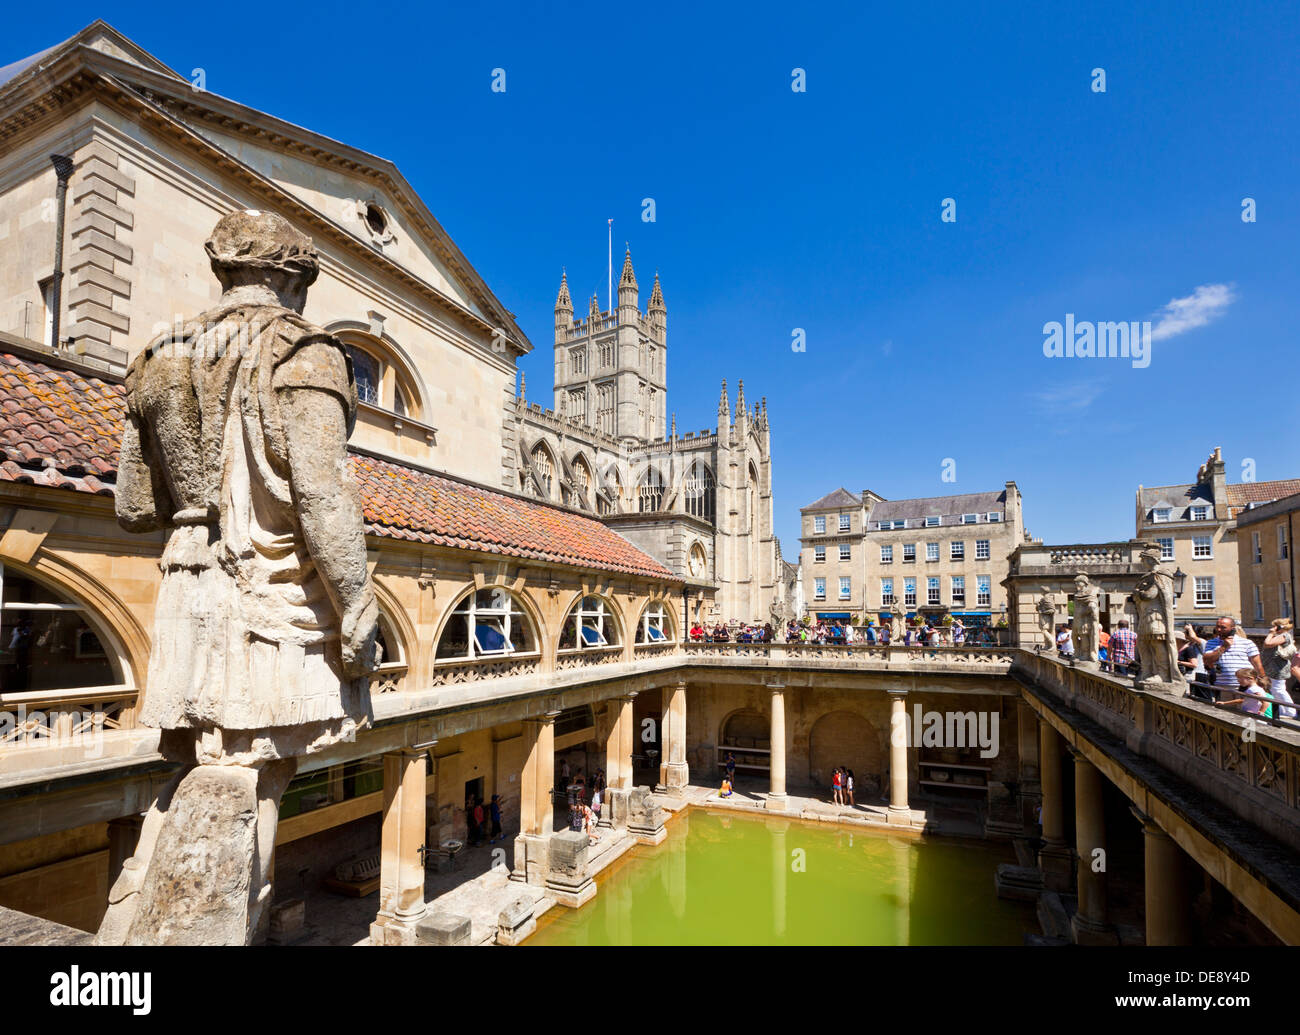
(60, 429)
(1242, 493)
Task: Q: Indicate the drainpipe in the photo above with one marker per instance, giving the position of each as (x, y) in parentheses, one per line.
(63, 170)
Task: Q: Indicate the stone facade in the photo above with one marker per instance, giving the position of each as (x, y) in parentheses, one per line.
(1266, 562)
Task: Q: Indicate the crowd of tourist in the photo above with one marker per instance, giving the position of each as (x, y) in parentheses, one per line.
(1222, 665)
(584, 797)
(919, 632)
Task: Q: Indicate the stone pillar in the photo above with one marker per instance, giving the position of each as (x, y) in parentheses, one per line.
(673, 772)
(627, 739)
(536, 804)
(401, 877)
(1030, 788)
(1168, 888)
(614, 744)
(1054, 858)
(776, 795)
(899, 810)
(1089, 921)
(618, 763)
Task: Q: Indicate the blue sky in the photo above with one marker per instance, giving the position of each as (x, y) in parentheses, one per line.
(821, 210)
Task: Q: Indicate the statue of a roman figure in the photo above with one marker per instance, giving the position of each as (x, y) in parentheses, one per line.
(1086, 620)
(265, 627)
(1156, 642)
(1046, 609)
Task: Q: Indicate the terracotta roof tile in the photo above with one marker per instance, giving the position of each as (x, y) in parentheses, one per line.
(57, 427)
(1241, 493)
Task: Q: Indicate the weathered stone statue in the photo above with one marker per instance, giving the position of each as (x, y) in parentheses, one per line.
(778, 615)
(1157, 645)
(1087, 620)
(265, 623)
(896, 611)
(1046, 609)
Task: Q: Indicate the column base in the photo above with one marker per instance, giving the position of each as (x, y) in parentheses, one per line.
(673, 779)
(1057, 863)
(532, 859)
(391, 930)
(1086, 932)
(777, 803)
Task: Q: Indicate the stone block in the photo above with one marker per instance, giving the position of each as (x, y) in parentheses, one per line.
(569, 853)
(443, 929)
(515, 922)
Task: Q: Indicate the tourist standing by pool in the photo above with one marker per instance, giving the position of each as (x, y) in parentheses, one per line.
(835, 785)
(494, 813)
(848, 788)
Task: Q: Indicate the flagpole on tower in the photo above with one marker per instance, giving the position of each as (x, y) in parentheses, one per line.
(611, 265)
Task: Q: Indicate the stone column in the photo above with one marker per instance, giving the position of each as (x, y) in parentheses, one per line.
(1089, 922)
(1168, 888)
(401, 878)
(673, 772)
(776, 794)
(536, 804)
(1027, 743)
(1054, 858)
(899, 810)
(618, 763)
(627, 739)
(614, 744)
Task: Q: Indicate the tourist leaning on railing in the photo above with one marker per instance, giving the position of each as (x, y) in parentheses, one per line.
(1279, 660)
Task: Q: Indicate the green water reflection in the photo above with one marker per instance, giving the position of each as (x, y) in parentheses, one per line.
(722, 879)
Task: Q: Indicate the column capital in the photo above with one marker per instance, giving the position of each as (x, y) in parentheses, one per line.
(1149, 826)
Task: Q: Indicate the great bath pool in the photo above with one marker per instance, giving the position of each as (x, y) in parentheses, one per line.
(727, 879)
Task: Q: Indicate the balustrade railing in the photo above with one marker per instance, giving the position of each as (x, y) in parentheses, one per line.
(47, 717)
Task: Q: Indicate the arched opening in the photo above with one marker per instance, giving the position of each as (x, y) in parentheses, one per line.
(655, 624)
(49, 641)
(590, 625)
(486, 623)
(544, 465)
(582, 483)
(610, 501)
(846, 739)
(382, 380)
(700, 492)
(650, 493)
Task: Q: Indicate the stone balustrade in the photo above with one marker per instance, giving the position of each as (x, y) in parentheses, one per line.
(473, 670)
(40, 717)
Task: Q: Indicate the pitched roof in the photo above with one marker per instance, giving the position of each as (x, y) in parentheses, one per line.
(838, 498)
(948, 508)
(61, 429)
(1239, 494)
(1259, 492)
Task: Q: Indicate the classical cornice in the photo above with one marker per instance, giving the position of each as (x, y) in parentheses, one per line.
(82, 73)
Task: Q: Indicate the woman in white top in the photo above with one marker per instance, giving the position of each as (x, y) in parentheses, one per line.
(1065, 642)
(1279, 651)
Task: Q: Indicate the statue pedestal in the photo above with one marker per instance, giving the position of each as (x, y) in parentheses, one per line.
(1156, 685)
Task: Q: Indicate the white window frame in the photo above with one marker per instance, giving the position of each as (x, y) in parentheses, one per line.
(846, 552)
(970, 519)
(909, 592)
(1259, 603)
(932, 521)
(819, 554)
(489, 615)
(993, 516)
(906, 547)
(932, 590)
(1202, 543)
(1200, 600)
(819, 589)
(846, 587)
(1200, 512)
(887, 592)
(1283, 547)
(931, 552)
(1256, 551)
(1163, 541)
(957, 550)
(983, 549)
(1161, 515)
(655, 624)
(1283, 600)
(846, 522)
(886, 553)
(957, 590)
(819, 524)
(599, 619)
(983, 590)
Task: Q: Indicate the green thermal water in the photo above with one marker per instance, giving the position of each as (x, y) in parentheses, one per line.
(721, 879)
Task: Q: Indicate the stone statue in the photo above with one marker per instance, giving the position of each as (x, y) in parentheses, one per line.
(1156, 642)
(1046, 609)
(896, 612)
(777, 612)
(265, 624)
(1087, 620)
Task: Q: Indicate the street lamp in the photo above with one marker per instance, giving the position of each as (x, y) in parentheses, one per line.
(1180, 580)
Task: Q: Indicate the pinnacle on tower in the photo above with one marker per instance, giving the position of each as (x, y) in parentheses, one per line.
(593, 311)
(724, 405)
(563, 304)
(673, 433)
(628, 279)
(523, 387)
(656, 296)
(740, 397)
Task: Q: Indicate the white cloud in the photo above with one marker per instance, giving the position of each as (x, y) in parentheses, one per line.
(1206, 303)
(1074, 397)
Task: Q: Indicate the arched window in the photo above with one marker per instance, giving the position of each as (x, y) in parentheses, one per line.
(590, 624)
(700, 492)
(582, 478)
(389, 643)
(656, 625)
(380, 379)
(650, 494)
(545, 469)
(47, 641)
(486, 623)
(365, 369)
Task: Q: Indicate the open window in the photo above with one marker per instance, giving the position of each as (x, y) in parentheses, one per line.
(655, 625)
(591, 624)
(486, 623)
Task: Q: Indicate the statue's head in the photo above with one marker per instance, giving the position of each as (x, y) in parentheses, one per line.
(1080, 582)
(262, 248)
(1150, 559)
